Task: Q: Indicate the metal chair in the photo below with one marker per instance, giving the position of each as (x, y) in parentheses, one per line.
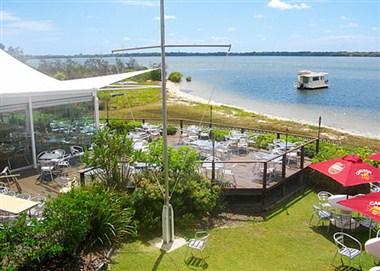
(198, 243)
(321, 214)
(23, 196)
(344, 250)
(323, 197)
(374, 187)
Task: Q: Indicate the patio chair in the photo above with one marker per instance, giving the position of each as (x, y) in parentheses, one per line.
(25, 196)
(374, 187)
(46, 170)
(343, 222)
(344, 250)
(198, 243)
(64, 161)
(3, 188)
(321, 214)
(10, 193)
(229, 173)
(323, 197)
(367, 223)
(6, 175)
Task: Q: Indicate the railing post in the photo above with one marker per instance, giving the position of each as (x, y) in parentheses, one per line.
(302, 161)
(283, 166)
(318, 136)
(278, 135)
(143, 121)
(181, 126)
(82, 179)
(242, 130)
(265, 171)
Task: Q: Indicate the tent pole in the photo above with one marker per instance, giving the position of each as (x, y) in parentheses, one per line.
(31, 125)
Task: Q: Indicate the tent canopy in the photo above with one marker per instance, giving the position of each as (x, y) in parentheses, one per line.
(18, 78)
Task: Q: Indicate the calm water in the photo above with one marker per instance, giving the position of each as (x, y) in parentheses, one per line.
(267, 85)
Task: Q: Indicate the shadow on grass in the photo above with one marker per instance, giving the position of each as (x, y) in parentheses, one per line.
(158, 261)
(196, 263)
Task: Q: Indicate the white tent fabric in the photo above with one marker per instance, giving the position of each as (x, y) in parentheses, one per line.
(18, 78)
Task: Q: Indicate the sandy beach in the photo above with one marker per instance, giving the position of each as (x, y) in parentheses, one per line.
(177, 95)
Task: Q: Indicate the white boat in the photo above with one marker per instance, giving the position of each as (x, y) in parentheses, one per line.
(311, 80)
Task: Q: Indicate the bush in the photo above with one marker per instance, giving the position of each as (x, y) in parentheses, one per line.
(109, 149)
(175, 77)
(123, 126)
(188, 79)
(89, 218)
(191, 192)
(171, 130)
(220, 134)
(27, 244)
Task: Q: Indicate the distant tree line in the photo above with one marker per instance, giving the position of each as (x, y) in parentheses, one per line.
(70, 69)
(273, 53)
(16, 52)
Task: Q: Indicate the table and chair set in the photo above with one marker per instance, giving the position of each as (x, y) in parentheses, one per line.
(52, 163)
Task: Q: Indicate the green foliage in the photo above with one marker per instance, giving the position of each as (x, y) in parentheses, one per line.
(123, 126)
(24, 243)
(220, 134)
(91, 67)
(89, 218)
(60, 76)
(175, 77)
(109, 149)
(188, 79)
(154, 75)
(191, 192)
(262, 141)
(330, 151)
(171, 130)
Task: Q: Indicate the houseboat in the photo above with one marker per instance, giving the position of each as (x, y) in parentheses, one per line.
(312, 80)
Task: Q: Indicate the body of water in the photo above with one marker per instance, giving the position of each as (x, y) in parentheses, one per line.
(267, 85)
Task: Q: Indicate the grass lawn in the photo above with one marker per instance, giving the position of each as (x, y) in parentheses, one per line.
(283, 242)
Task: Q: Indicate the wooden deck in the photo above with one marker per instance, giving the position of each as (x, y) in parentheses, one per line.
(29, 182)
(241, 165)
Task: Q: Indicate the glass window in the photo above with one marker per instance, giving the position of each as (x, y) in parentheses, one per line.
(15, 141)
(316, 78)
(305, 80)
(64, 125)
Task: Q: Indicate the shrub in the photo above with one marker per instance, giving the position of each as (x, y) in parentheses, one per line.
(220, 134)
(27, 244)
(123, 126)
(188, 79)
(108, 150)
(88, 218)
(191, 192)
(175, 77)
(171, 130)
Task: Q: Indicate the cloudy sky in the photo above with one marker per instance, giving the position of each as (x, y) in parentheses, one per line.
(90, 26)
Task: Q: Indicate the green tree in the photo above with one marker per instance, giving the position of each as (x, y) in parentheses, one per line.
(109, 149)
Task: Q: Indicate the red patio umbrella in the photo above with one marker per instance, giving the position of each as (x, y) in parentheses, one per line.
(368, 205)
(349, 170)
(375, 157)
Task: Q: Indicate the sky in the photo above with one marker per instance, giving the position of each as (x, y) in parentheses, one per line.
(90, 26)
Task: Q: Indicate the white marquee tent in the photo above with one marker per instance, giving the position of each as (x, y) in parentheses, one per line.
(24, 88)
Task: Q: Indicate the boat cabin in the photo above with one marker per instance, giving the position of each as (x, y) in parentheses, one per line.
(312, 80)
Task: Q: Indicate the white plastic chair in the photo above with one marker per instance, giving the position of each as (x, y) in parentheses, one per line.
(23, 196)
(344, 250)
(198, 243)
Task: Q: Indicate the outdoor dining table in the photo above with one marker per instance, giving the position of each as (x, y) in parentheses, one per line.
(15, 205)
(333, 201)
(50, 156)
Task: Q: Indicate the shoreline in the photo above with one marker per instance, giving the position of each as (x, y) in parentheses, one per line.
(175, 90)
